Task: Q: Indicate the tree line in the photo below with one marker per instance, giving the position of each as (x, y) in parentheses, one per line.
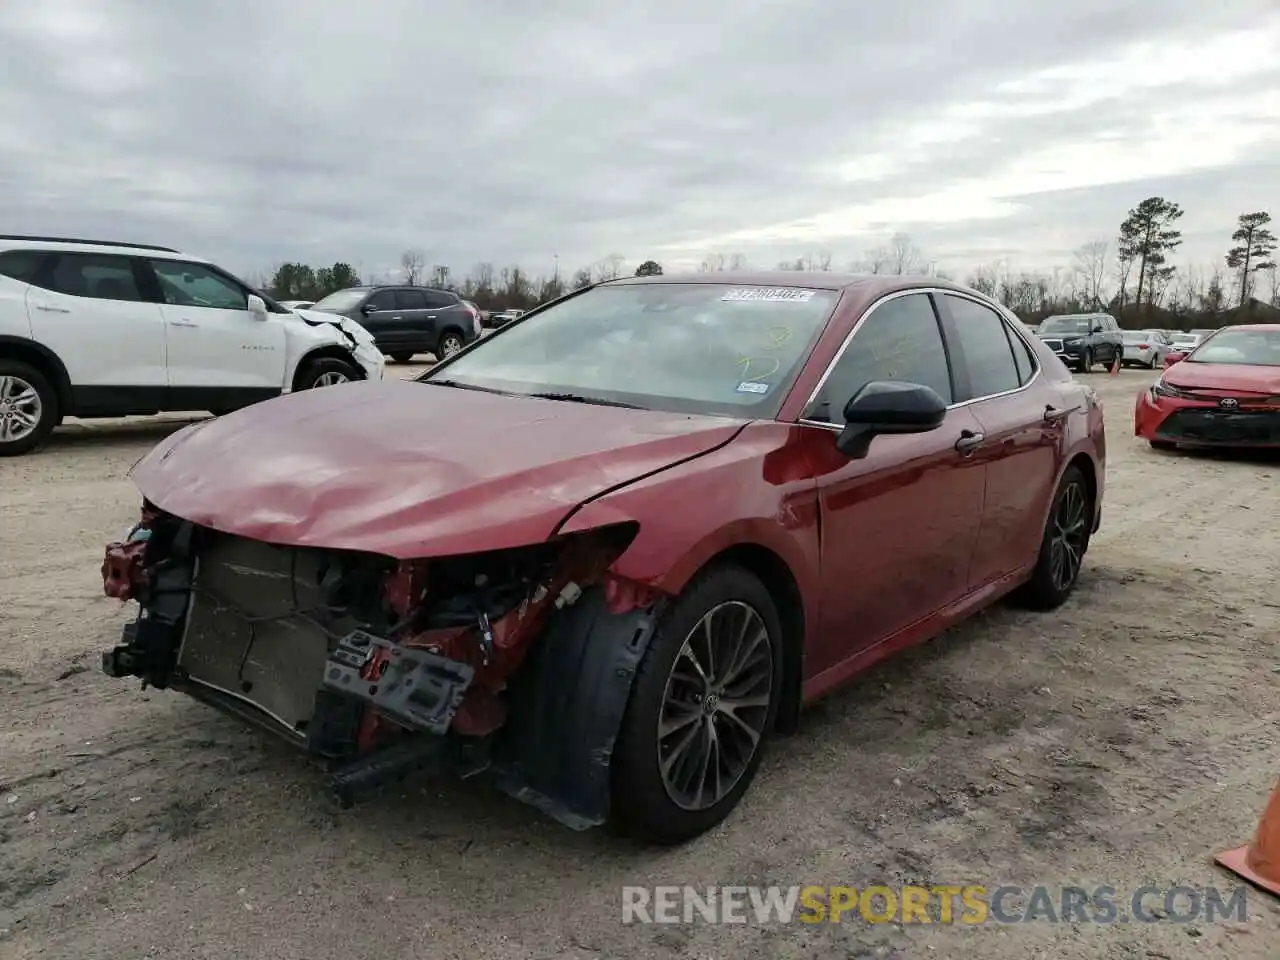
(1132, 276)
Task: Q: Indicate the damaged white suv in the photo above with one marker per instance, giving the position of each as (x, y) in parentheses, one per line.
(92, 328)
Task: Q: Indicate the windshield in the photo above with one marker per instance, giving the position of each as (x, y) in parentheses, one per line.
(688, 348)
(1260, 348)
(339, 302)
(1065, 325)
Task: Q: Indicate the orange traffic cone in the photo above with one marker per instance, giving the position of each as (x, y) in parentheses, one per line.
(1259, 862)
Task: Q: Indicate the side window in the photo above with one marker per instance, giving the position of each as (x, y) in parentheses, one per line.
(21, 264)
(101, 276)
(899, 340)
(410, 300)
(984, 345)
(1023, 358)
(382, 300)
(185, 284)
(438, 300)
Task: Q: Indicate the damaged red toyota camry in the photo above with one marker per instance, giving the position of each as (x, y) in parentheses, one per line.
(606, 553)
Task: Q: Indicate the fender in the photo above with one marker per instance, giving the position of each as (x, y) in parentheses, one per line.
(567, 704)
(61, 381)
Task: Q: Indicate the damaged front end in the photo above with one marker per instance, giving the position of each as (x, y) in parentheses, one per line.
(518, 662)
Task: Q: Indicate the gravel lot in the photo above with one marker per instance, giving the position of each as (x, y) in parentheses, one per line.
(1121, 741)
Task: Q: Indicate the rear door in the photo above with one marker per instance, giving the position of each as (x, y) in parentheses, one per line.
(446, 312)
(91, 310)
(412, 315)
(1019, 448)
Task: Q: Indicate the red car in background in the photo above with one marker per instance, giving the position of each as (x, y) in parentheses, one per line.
(1224, 393)
(608, 551)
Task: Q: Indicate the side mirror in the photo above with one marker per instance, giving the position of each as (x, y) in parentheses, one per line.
(257, 307)
(1096, 328)
(888, 407)
(367, 309)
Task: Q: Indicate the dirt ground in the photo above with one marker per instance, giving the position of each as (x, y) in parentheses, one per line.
(1121, 741)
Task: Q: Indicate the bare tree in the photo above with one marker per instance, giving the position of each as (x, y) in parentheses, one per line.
(1091, 265)
(482, 277)
(412, 263)
(610, 268)
(737, 261)
(822, 262)
(985, 279)
(904, 255)
(712, 263)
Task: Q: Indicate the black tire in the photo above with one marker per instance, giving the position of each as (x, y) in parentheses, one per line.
(1155, 362)
(48, 416)
(1045, 590)
(320, 372)
(451, 341)
(1162, 445)
(1087, 361)
(402, 357)
(642, 806)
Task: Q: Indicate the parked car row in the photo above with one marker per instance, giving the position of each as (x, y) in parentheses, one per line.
(92, 328)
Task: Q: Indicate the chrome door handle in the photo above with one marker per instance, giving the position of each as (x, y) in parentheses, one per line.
(969, 441)
(183, 323)
(397, 318)
(48, 309)
(432, 317)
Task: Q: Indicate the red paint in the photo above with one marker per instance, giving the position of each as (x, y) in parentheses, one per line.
(884, 551)
(410, 470)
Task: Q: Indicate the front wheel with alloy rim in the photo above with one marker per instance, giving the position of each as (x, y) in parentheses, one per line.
(326, 372)
(449, 344)
(1063, 546)
(702, 707)
(28, 408)
(1086, 363)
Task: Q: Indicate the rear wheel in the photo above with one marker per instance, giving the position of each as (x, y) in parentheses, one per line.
(1062, 549)
(703, 704)
(28, 408)
(450, 343)
(326, 372)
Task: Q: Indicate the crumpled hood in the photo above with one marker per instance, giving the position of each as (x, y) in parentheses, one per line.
(346, 324)
(1244, 378)
(408, 469)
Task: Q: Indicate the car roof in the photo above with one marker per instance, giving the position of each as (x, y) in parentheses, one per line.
(871, 284)
(72, 245)
(1254, 327)
(394, 286)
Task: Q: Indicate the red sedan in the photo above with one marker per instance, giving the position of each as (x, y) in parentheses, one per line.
(1224, 393)
(607, 552)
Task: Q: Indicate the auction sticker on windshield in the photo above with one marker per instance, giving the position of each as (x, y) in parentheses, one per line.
(769, 294)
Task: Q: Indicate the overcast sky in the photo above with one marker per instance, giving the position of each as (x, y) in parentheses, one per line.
(256, 131)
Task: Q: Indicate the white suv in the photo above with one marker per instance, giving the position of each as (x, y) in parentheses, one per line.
(96, 329)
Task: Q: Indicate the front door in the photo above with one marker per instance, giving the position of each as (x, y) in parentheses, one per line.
(90, 310)
(220, 357)
(898, 526)
(384, 321)
(1020, 445)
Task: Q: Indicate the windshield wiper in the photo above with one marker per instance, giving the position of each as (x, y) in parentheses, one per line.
(464, 386)
(578, 398)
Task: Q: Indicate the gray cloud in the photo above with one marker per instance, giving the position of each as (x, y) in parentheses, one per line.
(256, 132)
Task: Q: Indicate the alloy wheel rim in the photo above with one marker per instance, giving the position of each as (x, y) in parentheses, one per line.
(331, 379)
(1066, 542)
(20, 409)
(451, 346)
(715, 705)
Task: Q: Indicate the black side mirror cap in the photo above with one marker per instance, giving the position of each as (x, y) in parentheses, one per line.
(888, 407)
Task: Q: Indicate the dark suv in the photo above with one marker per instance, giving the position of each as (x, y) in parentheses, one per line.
(1083, 339)
(408, 320)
